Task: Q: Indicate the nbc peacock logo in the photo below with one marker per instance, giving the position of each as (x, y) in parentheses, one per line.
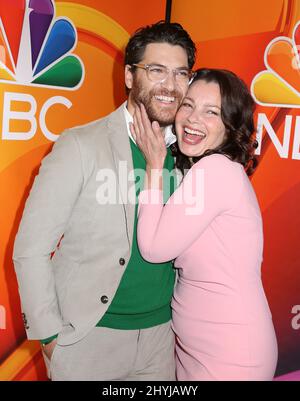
(279, 85)
(36, 48)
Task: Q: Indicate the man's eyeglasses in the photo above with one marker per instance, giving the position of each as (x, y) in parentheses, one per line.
(159, 73)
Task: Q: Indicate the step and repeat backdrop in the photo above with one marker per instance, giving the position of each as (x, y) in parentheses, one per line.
(61, 65)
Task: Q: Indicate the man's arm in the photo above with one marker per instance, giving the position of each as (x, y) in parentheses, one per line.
(46, 214)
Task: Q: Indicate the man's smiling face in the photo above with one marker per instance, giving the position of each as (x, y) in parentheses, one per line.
(161, 99)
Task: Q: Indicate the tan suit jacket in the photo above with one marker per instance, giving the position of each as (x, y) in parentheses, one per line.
(69, 293)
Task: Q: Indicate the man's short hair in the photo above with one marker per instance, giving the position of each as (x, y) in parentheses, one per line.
(160, 32)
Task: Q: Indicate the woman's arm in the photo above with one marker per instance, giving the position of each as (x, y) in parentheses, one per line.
(210, 188)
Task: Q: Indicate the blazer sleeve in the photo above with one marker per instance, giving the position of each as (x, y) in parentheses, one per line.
(210, 188)
(45, 217)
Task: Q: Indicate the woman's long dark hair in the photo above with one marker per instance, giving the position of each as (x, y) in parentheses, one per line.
(237, 108)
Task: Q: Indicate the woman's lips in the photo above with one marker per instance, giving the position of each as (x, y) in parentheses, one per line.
(193, 137)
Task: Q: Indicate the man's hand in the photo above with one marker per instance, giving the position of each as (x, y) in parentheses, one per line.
(49, 348)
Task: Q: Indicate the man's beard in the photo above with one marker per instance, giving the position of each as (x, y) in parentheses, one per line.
(162, 116)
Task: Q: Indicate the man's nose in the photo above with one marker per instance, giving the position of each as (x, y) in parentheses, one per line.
(169, 82)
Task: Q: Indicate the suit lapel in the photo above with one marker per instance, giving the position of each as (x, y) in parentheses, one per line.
(121, 150)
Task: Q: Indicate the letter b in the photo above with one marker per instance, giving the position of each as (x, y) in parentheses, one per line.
(9, 115)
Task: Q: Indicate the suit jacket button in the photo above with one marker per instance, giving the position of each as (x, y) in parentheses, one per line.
(122, 261)
(104, 299)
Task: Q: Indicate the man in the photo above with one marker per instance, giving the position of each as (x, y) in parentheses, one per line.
(100, 310)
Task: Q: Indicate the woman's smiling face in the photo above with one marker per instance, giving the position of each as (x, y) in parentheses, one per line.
(198, 122)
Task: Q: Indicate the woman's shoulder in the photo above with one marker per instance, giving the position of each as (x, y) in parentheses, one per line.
(219, 171)
(219, 163)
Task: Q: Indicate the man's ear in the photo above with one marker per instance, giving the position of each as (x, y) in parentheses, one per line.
(128, 76)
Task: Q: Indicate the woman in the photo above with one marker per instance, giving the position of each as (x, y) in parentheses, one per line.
(212, 227)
